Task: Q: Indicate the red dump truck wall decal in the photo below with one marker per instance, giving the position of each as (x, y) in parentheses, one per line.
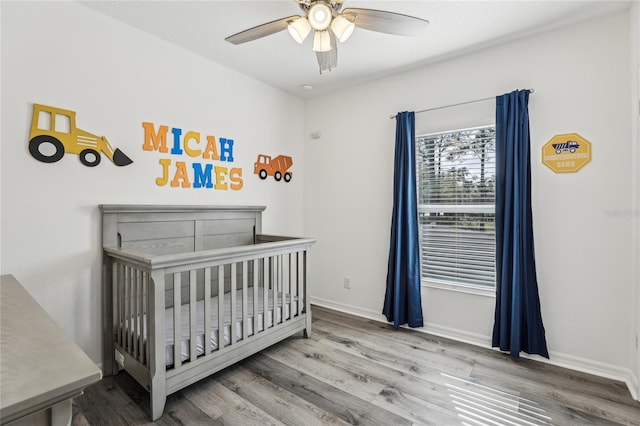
(278, 167)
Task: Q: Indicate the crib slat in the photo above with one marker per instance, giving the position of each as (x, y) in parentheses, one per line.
(127, 307)
(284, 271)
(232, 325)
(294, 285)
(132, 311)
(275, 284)
(144, 344)
(123, 303)
(130, 318)
(299, 281)
(136, 312)
(293, 259)
(177, 316)
(286, 293)
(220, 307)
(265, 288)
(123, 297)
(255, 296)
(141, 317)
(207, 311)
(245, 308)
(193, 354)
(281, 286)
(116, 302)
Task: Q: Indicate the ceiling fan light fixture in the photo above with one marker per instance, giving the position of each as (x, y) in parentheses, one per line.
(342, 28)
(319, 16)
(299, 29)
(332, 24)
(322, 41)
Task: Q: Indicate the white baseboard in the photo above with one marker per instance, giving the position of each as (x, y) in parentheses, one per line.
(589, 366)
(571, 362)
(348, 309)
(634, 386)
(457, 335)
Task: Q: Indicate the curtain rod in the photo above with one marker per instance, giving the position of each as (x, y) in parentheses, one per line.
(454, 105)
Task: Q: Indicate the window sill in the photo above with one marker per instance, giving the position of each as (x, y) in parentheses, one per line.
(461, 288)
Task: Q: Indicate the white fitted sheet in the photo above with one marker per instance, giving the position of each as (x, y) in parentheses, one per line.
(213, 339)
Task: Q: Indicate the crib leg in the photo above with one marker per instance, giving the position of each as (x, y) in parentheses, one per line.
(158, 400)
(307, 331)
(158, 397)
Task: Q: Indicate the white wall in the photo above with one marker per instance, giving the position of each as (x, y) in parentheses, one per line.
(66, 55)
(582, 225)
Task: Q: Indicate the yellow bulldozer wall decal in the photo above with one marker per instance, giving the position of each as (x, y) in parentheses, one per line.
(54, 134)
(278, 167)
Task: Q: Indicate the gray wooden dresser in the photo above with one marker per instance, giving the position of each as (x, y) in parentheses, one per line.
(41, 368)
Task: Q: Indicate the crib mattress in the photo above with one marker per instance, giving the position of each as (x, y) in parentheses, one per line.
(213, 339)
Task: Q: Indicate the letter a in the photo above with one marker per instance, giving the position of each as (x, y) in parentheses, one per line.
(211, 151)
(181, 174)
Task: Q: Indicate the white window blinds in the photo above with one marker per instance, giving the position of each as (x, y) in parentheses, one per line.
(456, 206)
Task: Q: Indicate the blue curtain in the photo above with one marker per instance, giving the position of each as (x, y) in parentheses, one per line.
(402, 302)
(518, 322)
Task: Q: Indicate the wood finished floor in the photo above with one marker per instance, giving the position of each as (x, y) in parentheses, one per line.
(356, 371)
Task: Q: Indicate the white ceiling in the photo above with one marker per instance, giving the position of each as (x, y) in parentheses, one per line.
(455, 27)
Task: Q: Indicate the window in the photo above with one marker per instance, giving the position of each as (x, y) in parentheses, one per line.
(44, 120)
(63, 123)
(456, 207)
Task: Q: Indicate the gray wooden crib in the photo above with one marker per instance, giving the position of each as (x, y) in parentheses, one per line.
(190, 290)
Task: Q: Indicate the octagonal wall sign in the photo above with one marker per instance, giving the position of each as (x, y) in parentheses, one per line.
(566, 153)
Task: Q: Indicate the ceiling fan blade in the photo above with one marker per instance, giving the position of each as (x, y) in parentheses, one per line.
(261, 30)
(387, 22)
(328, 60)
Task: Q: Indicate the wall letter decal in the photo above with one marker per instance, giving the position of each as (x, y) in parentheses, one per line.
(202, 178)
(191, 135)
(236, 179)
(211, 151)
(176, 150)
(221, 174)
(181, 175)
(226, 147)
(155, 141)
(165, 163)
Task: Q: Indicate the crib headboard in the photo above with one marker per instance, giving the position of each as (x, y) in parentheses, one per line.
(165, 229)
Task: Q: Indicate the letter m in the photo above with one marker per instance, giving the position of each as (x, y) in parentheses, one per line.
(202, 178)
(155, 141)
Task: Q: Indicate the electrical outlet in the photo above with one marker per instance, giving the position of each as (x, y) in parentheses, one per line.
(347, 283)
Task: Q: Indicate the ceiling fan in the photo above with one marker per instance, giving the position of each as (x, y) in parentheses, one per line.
(330, 22)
